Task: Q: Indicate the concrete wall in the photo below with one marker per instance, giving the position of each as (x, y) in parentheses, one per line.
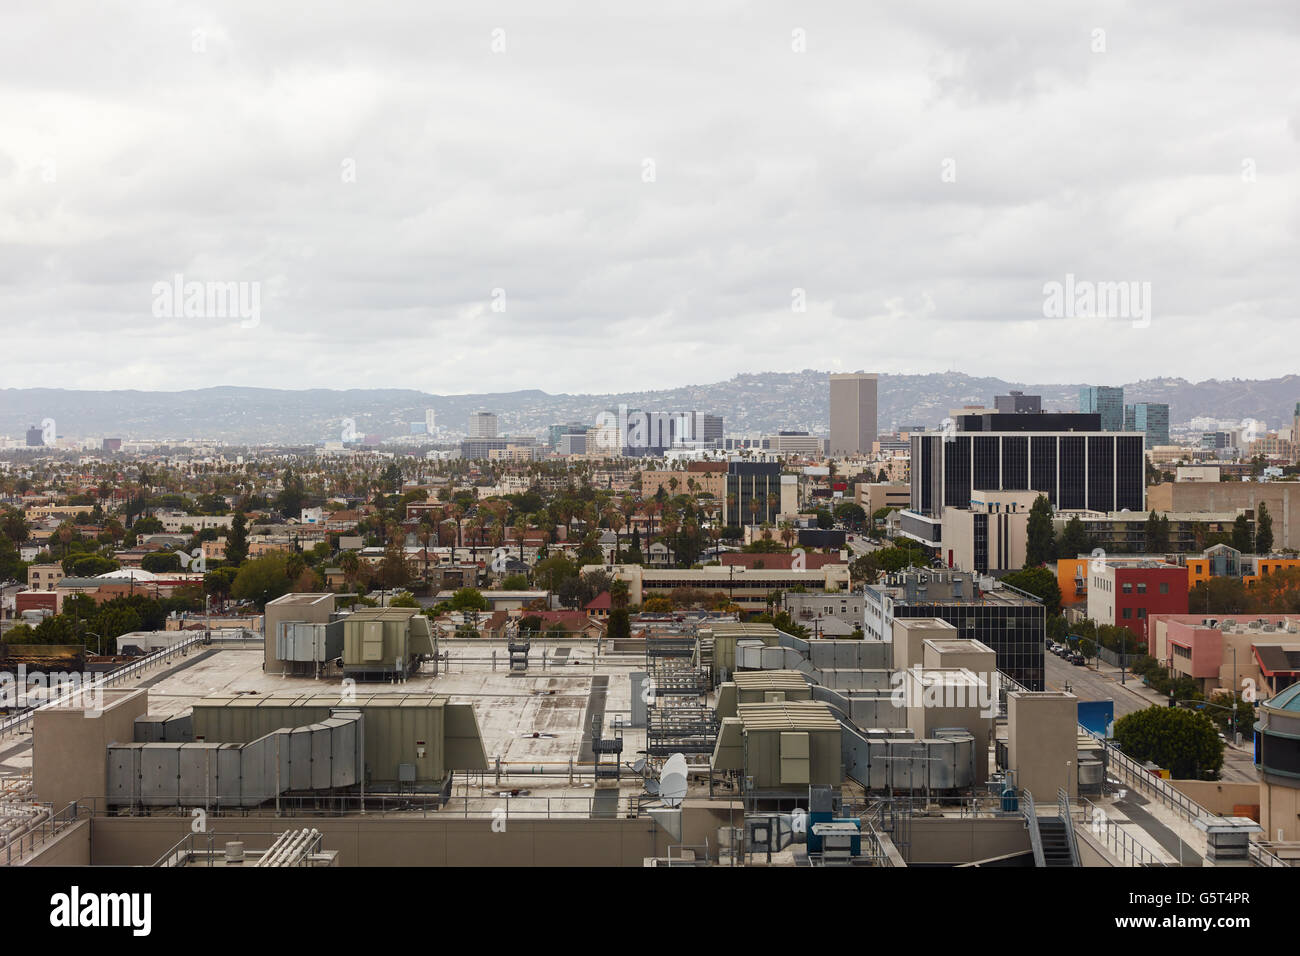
(1042, 735)
(1279, 809)
(950, 840)
(70, 746)
(397, 841)
(441, 839)
(1282, 498)
(1217, 796)
(69, 848)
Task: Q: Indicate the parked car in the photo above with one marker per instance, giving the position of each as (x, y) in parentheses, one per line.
(1077, 659)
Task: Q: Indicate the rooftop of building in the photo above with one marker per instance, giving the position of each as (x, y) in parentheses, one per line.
(1288, 700)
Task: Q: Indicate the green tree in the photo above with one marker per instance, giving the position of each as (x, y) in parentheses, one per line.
(469, 599)
(1039, 582)
(11, 564)
(289, 501)
(1263, 530)
(263, 579)
(88, 566)
(219, 582)
(1222, 713)
(1181, 741)
(1157, 533)
(237, 540)
(865, 569)
(620, 625)
(851, 514)
(1040, 545)
(161, 562)
(1219, 595)
(1241, 534)
(1074, 540)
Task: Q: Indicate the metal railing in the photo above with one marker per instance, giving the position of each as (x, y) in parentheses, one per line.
(1264, 857)
(1063, 811)
(18, 722)
(1145, 780)
(1030, 813)
(30, 840)
(488, 804)
(1116, 839)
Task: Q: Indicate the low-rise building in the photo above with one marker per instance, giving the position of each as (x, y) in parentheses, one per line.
(1126, 595)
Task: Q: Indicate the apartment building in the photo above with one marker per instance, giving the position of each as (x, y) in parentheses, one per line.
(1126, 595)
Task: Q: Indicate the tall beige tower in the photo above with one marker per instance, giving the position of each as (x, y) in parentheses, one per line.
(853, 413)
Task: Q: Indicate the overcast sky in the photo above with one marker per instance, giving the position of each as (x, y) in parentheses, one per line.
(642, 194)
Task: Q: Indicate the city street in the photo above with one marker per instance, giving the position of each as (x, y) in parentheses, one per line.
(1090, 684)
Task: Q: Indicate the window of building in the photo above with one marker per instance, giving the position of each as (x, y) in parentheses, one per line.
(1142, 588)
(1128, 588)
(1164, 587)
(1128, 613)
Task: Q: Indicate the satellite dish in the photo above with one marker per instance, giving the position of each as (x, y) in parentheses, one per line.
(672, 781)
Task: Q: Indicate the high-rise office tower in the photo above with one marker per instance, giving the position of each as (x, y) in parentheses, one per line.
(483, 425)
(1018, 403)
(853, 413)
(430, 419)
(1149, 417)
(1106, 401)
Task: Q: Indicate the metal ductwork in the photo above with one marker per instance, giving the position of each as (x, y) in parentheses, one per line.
(317, 757)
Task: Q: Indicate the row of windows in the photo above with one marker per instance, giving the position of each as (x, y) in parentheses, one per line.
(1074, 471)
(1142, 587)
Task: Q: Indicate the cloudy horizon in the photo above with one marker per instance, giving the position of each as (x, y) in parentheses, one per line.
(589, 201)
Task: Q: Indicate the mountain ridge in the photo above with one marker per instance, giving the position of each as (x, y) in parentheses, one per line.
(750, 402)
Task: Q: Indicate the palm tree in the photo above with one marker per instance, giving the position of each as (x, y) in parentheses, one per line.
(457, 513)
(426, 532)
(521, 528)
(670, 525)
(615, 519)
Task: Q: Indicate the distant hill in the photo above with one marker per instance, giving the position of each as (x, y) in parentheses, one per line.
(759, 402)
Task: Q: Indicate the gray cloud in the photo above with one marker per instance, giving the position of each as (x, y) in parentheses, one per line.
(130, 157)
